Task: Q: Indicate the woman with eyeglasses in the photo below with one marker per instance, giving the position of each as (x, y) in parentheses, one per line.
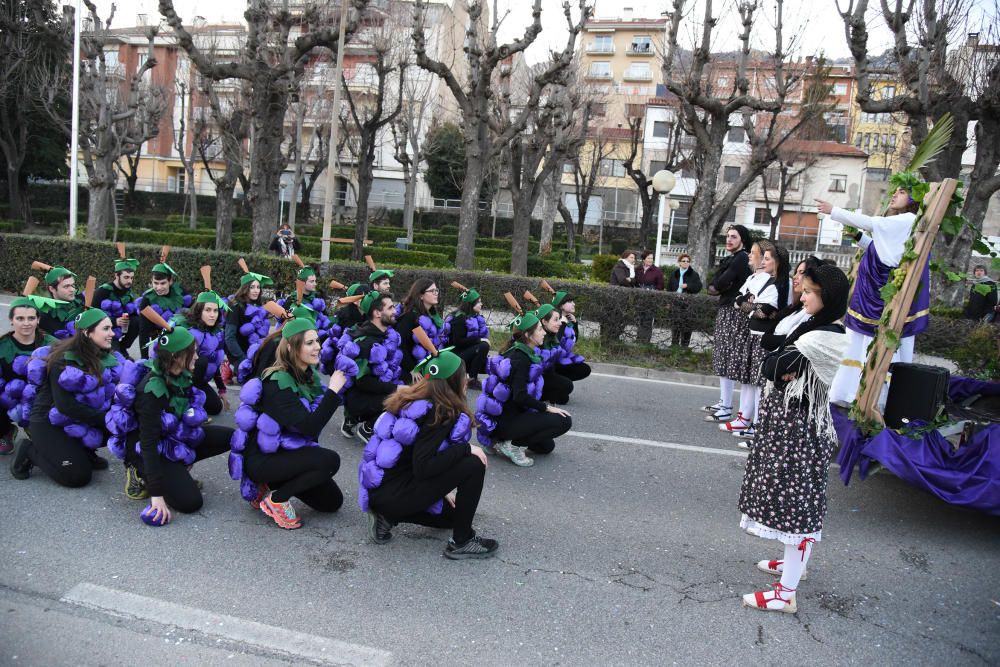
(684, 280)
(419, 310)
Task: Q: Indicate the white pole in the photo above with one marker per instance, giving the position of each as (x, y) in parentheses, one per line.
(819, 229)
(281, 204)
(659, 228)
(670, 235)
(333, 163)
(74, 146)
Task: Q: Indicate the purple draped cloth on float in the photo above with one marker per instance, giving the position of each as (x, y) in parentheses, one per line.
(865, 309)
(969, 477)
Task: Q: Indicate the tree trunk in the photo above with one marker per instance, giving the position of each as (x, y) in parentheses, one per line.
(224, 207)
(193, 197)
(468, 221)
(299, 173)
(365, 178)
(646, 221)
(521, 231)
(409, 203)
(15, 203)
(99, 210)
(304, 210)
(568, 221)
(268, 163)
(551, 188)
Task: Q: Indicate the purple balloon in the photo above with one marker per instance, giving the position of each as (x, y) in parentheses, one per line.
(148, 517)
(246, 417)
(235, 465)
(238, 441)
(267, 424)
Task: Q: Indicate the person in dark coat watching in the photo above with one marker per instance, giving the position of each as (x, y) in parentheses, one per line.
(647, 276)
(981, 306)
(623, 274)
(684, 280)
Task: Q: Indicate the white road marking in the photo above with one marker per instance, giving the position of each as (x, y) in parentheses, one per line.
(679, 384)
(656, 443)
(268, 637)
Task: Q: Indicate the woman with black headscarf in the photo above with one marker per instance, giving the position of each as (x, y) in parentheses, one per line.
(731, 326)
(783, 496)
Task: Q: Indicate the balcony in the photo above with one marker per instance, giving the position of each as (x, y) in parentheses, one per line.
(640, 50)
(598, 76)
(605, 49)
(637, 76)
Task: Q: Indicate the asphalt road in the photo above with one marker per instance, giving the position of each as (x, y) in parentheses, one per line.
(622, 547)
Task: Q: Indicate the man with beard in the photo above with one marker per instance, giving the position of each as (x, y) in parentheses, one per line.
(117, 300)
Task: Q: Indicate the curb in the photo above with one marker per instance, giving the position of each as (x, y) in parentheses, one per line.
(653, 374)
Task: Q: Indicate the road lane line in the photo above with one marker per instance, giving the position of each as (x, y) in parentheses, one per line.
(268, 637)
(679, 384)
(656, 443)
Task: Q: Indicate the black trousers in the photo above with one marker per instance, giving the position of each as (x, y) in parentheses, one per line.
(305, 473)
(363, 406)
(407, 503)
(474, 357)
(574, 372)
(682, 338)
(5, 423)
(535, 430)
(66, 460)
(213, 404)
(180, 491)
(557, 387)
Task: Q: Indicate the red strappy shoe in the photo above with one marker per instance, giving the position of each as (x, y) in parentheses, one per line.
(771, 567)
(761, 599)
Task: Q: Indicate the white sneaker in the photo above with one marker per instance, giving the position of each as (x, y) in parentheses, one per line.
(515, 454)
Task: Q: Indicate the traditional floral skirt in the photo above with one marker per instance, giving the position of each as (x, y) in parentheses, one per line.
(755, 358)
(732, 328)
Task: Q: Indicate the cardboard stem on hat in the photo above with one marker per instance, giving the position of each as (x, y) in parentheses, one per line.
(300, 290)
(298, 261)
(164, 253)
(336, 285)
(370, 262)
(421, 337)
(528, 296)
(206, 277)
(512, 302)
(459, 286)
(276, 310)
(30, 285)
(121, 250)
(88, 291)
(40, 266)
(547, 287)
(155, 318)
(243, 265)
(344, 300)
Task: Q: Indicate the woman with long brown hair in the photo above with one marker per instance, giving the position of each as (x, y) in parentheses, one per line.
(247, 323)
(419, 453)
(419, 309)
(275, 449)
(75, 381)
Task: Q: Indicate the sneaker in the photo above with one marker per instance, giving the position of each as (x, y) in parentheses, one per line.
(262, 492)
(744, 444)
(347, 428)
(379, 528)
(747, 433)
(516, 454)
(714, 407)
(96, 461)
(364, 432)
(737, 425)
(474, 547)
(283, 513)
(135, 487)
(723, 414)
(7, 441)
(21, 465)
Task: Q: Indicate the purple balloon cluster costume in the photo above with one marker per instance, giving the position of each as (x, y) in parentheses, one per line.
(497, 392)
(16, 393)
(255, 327)
(474, 327)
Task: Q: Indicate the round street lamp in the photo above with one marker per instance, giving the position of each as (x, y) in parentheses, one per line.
(663, 182)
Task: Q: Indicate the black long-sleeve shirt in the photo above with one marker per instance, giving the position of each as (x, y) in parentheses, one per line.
(370, 384)
(520, 400)
(459, 336)
(52, 394)
(284, 407)
(422, 460)
(147, 410)
(733, 272)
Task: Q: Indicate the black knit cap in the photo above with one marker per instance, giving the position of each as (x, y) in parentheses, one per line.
(744, 236)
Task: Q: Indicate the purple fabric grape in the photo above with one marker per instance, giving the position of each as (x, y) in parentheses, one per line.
(496, 392)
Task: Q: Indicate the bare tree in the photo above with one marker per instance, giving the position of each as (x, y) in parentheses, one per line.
(784, 174)
(221, 132)
(180, 145)
(484, 54)
(706, 109)
(586, 172)
(408, 139)
(965, 83)
(273, 62)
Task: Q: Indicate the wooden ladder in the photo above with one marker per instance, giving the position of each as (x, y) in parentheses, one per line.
(880, 354)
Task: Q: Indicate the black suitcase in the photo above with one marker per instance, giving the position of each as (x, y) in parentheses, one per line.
(916, 391)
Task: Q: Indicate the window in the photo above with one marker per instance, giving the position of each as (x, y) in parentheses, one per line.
(635, 110)
(840, 89)
(888, 92)
(762, 217)
(857, 139)
(892, 141)
(568, 167)
(772, 180)
(839, 133)
(736, 135)
(875, 142)
(661, 129)
(600, 70)
(599, 108)
(838, 183)
(868, 141)
(878, 174)
(731, 214)
(614, 168)
(641, 44)
(638, 71)
(602, 44)
(655, 166)
(688, 171)
(730, 174)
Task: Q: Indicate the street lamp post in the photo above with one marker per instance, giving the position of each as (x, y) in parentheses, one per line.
(74, 139)
(674, 205)
(281, 204)
(663, 183)
(334, 159)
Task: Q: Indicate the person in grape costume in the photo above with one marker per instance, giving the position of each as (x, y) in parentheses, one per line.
(379, 280)
(419, 310)
(306, 294)
(882, 254)
(420, 453)
(349, 314)
(466, 331)
(116, 298)
(205, 320)
(16, 346)
(158, 423)
(370, 356)
(248, 322)
(61, 285)
(75, 380)
(165, 296)
(275, 453)
(557, 387)
(511, 415)
(783, 495)
(571, 365)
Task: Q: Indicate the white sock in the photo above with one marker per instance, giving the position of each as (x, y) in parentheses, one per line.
(726, 386)
(794, 564)
(746, 400)
(751, 414)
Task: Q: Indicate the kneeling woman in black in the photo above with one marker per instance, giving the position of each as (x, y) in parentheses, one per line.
(510, 411)
(420, 452)
(75, 381)
(166, 413)
(275, 449)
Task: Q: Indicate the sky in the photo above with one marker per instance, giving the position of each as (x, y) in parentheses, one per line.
(815, 25)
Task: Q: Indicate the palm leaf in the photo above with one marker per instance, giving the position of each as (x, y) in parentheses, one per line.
(933, 143)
